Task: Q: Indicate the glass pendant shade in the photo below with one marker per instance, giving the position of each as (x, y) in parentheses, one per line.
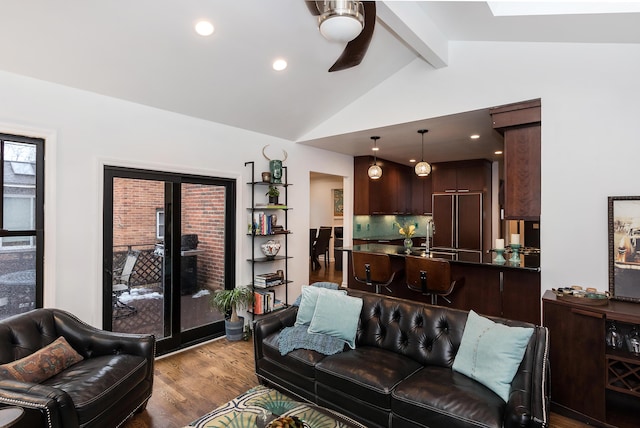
(423, 169)
(374, 172)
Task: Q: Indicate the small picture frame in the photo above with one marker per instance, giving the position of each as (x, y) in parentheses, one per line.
(624, 247)
(338, 203)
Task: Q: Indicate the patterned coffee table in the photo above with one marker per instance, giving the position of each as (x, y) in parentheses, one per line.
(246, 411)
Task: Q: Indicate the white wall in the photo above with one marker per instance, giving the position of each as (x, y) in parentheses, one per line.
(590, 132)
(85, 131)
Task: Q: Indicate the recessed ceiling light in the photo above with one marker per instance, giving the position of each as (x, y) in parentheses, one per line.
(279, 64)
(474, 137)
(497, 152)
(375, 149)
(204, 28)
(412, 160)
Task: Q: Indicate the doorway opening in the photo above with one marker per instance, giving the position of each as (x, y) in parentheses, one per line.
(326, 210)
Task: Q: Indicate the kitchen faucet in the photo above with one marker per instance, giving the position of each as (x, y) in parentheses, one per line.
(429, 235)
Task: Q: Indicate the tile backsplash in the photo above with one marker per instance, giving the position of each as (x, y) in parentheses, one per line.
(386, 226)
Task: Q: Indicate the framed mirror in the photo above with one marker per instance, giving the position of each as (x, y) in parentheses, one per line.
(624, 247)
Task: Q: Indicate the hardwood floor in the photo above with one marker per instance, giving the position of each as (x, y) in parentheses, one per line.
(195, 381)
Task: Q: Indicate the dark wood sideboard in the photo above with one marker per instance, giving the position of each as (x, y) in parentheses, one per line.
(590, 381)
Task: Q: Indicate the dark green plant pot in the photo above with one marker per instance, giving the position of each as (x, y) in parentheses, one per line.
(234, 330)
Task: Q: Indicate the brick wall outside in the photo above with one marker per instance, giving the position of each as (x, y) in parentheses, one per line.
(203, 206)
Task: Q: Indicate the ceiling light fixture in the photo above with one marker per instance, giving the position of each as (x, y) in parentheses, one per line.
(279, 64)
(422, 168)
(341, 20)
(204, 28)
(374, 170)
(474, 136)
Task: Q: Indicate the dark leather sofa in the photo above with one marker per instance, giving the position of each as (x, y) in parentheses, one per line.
(400, 373)
(111, 383)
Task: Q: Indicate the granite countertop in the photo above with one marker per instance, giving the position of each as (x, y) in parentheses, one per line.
(526, 262)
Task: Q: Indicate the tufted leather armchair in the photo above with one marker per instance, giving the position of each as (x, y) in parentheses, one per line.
(111, 383)
(400, 373)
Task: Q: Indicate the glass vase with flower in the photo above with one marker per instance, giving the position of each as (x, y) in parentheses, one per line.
(407, 230)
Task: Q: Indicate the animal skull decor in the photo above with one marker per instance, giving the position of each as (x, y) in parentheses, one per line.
(275, 166)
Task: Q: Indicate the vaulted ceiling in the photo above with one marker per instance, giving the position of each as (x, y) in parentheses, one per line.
(146, 51)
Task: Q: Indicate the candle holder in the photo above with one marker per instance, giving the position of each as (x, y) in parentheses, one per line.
(515, 256)
(499, 256)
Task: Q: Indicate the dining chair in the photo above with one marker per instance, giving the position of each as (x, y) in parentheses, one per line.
(322, 246)
(313, 236)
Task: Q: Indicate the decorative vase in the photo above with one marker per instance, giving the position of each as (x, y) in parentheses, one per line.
(270, 249)
(275, 167)
(408, 243)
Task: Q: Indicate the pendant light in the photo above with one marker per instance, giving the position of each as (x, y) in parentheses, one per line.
(374, 170)
(422, 168)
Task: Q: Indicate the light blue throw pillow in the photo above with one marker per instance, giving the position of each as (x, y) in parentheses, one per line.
(491, 353)
(337, 315)
(308, 302)
(321, 284)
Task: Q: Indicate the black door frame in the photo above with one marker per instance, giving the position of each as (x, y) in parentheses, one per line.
(174, 338)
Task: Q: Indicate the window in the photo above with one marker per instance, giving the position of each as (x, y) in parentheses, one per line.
(21, 223)
(160, 223)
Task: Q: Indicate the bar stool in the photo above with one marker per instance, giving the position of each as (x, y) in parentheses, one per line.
(431, 277)
(373, 269)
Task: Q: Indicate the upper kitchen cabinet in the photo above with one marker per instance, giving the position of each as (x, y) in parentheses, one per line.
(520, 123)
(390, 194)
(461, 176)
(421, 189)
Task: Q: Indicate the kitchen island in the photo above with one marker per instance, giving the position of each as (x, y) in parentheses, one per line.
(508, 290)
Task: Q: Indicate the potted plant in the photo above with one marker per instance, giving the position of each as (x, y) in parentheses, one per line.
(273, 194)
(229, 302)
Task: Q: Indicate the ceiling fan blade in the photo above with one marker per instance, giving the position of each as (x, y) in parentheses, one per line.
(354, 51)
(313, 8)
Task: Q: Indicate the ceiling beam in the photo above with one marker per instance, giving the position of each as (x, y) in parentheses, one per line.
(411, 24)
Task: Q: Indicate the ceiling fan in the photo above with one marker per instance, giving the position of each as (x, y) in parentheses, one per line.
(346, 21)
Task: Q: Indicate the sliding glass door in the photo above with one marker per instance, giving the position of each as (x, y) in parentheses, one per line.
(168, 245)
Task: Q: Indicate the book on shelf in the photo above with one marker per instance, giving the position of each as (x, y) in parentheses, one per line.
(264, 301)
(267, 280)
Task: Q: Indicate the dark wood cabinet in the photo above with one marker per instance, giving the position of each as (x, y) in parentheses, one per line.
(421, 190)
(521, 295)
(461, 204)
(590, 381)
(498, 291)
(390, 194)
(461, 176)
(520, 124)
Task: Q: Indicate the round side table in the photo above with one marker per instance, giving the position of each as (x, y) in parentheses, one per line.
(10, 415)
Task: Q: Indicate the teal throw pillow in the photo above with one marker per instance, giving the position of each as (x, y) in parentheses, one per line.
(321, 284)
(337, 315)
(308, 302)
(491, 353)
